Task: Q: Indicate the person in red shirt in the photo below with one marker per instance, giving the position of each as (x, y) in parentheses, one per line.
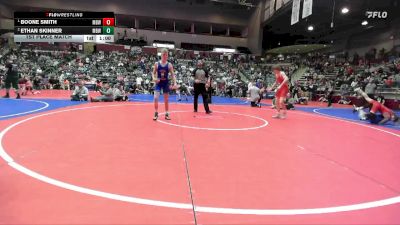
(281, 91)
(386, 113)
(389, 82)
(350, 70)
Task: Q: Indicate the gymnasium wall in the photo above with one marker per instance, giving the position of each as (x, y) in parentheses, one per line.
(147, 8)
(178, 38)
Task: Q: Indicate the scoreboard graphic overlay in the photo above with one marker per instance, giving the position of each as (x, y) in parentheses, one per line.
(64, 27)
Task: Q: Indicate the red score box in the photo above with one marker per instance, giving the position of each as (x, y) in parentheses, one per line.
(108, 21)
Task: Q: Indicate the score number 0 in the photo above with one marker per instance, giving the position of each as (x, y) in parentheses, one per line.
(108, 21)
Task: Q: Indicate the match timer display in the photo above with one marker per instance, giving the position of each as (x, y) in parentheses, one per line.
(64, 27)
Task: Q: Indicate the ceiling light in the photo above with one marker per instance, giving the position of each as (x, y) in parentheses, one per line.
(310, 28)
(224, 50)
(345, 10)
(364, 23)
(162, 45)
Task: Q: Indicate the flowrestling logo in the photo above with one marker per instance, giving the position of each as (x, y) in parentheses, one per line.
(376, 14)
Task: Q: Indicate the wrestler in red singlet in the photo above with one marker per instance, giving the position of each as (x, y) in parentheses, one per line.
(284, 90)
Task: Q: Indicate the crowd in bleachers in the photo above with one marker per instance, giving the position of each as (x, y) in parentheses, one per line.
(325, 76)
(230, 74)
(62, 70)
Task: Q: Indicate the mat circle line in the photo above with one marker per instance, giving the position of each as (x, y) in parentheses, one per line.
(265, 122)
(46, 105)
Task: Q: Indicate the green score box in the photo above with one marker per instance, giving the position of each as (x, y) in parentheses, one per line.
(108, 30)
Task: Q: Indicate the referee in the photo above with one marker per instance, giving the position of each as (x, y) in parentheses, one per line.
(11, 80)
(201, 83)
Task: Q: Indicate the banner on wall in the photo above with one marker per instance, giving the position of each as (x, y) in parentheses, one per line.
(307, 8)
(271, 7)
(295, 12)
(278, 4)
(266, 14)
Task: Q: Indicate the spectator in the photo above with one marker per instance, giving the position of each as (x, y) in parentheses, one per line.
(106, 94)
(99, 84)
(139, 82)
(389, 82)
(80, 93)
(397, 80)
(370, 89)
(119, 93)
(66, 84)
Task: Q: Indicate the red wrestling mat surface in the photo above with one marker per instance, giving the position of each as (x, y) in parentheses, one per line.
(111, 164)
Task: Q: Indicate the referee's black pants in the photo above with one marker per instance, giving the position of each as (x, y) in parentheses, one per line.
(200, 89)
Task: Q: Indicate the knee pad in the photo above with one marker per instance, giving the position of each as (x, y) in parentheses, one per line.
(156, 95)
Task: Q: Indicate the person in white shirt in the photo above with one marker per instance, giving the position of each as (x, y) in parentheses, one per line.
(354, 84)
(147, 84)
(255, 96)
(61, 81)
(139, 82)
(249, 85)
